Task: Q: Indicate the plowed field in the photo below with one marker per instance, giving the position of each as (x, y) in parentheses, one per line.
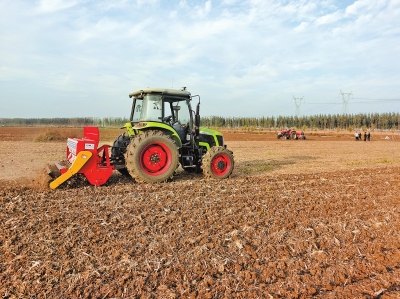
(315, 218)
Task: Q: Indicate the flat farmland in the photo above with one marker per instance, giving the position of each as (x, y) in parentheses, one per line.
(315, 218)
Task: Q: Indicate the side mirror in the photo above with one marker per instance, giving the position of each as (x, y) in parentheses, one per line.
(197, 116)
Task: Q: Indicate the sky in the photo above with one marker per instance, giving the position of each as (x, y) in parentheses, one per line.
(249, 58)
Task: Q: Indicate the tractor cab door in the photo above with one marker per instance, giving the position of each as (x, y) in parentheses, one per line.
(136, 110)
(181, 120)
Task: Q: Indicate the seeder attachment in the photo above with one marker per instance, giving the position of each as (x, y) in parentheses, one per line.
(84, 157)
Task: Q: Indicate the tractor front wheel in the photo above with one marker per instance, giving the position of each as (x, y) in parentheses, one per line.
(218, 163)
(152, 157)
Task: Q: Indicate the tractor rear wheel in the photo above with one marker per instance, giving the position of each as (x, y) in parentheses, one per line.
(152, 157)
(218, 163)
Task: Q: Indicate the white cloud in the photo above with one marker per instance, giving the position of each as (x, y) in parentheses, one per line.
(366, 6)
(305, 65)
(229, 2)
(104, 28)
(330, 18)
(49, 6)
(173, 14)
(203, 11)
(302, 27)
(141, 3)
(115, 4)
(255, 75)
(138, 29)
(182, 4)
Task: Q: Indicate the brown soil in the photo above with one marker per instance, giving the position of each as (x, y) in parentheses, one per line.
(298, 219)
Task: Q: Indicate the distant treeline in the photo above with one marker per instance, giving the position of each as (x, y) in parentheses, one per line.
(382, 121)
(72, 122)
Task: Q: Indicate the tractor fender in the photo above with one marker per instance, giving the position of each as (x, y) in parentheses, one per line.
(166, 129)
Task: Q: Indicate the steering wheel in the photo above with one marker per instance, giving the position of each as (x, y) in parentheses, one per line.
(168, 119)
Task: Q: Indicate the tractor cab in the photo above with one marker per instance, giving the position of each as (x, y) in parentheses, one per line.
(163, 106)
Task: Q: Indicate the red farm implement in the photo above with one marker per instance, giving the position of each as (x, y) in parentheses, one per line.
(84, 156)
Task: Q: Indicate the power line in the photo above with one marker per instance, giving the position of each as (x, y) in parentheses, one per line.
(313, 108)
(374, 101)
(321, 107)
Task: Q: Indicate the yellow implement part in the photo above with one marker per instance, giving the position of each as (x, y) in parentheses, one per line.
(80, 160)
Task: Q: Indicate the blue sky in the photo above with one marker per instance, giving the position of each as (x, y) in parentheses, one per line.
(81, 58)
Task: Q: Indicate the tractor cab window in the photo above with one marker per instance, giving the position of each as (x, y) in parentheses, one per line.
(182, 113)
(137, 111)
(177, 114)
(151, 108)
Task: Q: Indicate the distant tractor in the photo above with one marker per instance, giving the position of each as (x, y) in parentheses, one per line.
(291, 134)
(163, 132)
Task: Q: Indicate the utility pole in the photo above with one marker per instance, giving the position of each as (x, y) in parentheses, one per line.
(297, 103)
(345, 98)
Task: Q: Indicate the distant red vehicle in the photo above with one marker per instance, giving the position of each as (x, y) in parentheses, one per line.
(291, 134)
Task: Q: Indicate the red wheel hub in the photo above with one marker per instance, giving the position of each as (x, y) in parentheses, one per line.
(155, 158)
(220, 164)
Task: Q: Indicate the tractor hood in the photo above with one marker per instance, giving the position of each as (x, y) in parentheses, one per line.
(210, 138)
(211, 132)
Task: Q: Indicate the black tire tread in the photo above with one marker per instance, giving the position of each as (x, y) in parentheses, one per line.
(209, 156)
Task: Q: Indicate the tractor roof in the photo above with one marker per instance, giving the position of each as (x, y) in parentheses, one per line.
(163, 91)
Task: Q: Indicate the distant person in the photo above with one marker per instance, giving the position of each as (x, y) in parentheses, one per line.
(369, 136)
(365, 136)
(356, 136)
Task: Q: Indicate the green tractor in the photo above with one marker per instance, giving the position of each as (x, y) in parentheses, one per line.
(163, 133)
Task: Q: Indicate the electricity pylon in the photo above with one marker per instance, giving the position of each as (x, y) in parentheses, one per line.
(297, 103)
(345, 97)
